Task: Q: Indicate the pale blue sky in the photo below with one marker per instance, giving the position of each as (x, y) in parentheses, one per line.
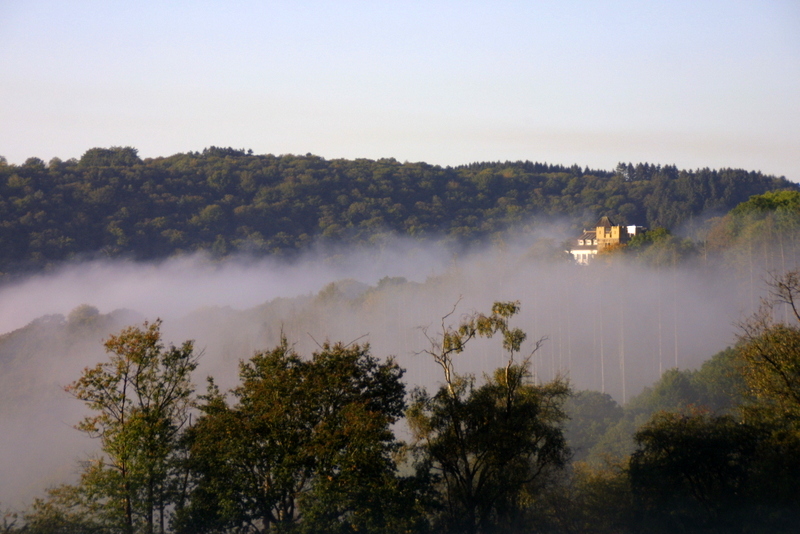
(692, 83)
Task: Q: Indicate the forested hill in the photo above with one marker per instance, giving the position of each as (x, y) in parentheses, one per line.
(112, 203)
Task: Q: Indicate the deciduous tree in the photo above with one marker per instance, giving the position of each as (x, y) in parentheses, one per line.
(307, 446)
(140, 399)
(489, 443)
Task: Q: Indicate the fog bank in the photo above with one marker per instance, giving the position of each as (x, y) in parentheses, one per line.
(610, 326)
(174, 287)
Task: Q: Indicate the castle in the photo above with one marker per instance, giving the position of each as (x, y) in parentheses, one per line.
(605, 234)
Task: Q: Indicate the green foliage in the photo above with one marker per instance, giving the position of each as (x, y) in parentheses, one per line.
(69, 510)
(590, 414)
(110, 157)
(489, 445)
(307, 447)
(759, 235)
(716, 387)
(659, 248)
(692, 472)
(674, 391)
(8, 524)
(83, 315)
(760, 205)
(770, 354)
(140, 398)
(113, 204)
(648, 238)
(719, 384)
(772, 369)
(737, 472)
(599, 500)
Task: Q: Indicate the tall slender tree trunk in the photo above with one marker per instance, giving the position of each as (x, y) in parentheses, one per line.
(622, 349)
(602, 350)
(675, 304)
(594, 335)
(128, 504)
(660, 326)
(750, 263)
(150, 504)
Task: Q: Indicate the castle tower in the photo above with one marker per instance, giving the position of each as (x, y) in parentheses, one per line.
(605, 234)
(609, 234)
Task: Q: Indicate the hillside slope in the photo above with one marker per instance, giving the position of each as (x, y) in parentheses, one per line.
(111, 203)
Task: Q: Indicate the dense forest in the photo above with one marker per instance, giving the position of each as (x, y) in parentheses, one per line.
(340, 437)
(305, 443)
(111, 203)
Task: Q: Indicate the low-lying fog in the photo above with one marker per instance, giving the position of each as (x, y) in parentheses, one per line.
(175, 287)
(612, 327)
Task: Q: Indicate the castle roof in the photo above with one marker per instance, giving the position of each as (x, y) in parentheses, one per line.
(587, 237)
(605, 222)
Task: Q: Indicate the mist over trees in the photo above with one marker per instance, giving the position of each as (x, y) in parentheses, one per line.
(618, 421)
(112, 204)
(307, 446)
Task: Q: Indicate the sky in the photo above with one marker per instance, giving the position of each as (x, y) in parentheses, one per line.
(690, 83)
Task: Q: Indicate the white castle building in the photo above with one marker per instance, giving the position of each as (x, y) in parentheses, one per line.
(605, 234)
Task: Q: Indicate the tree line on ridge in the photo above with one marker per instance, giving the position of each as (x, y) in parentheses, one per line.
(110, 203)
